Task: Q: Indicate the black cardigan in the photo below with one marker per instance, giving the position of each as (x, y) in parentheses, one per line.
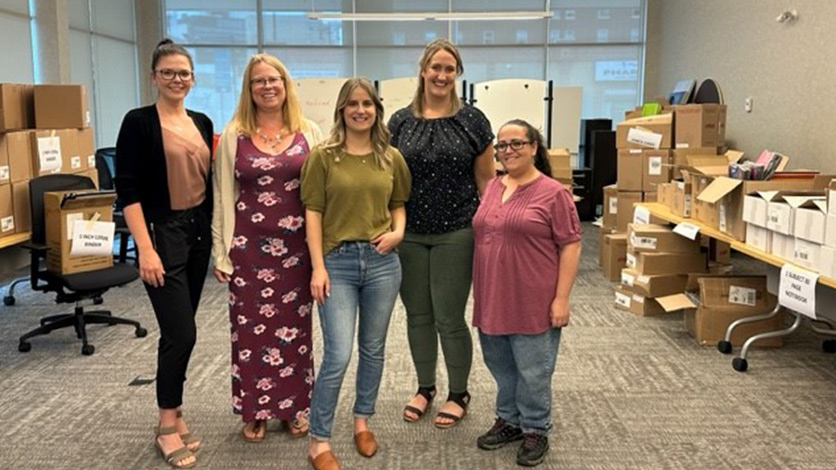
(141, 174)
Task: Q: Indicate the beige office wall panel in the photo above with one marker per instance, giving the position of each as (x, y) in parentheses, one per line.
(566, 117)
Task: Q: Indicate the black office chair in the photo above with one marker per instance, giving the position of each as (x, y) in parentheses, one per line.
(106, 169)
(70, 288)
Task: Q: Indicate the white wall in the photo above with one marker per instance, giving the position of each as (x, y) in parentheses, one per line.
(787, 69)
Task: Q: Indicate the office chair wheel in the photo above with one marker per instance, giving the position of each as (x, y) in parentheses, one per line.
(141, 332)
(724, 347)
(98, 300)
(829, 346)
(24, 347)
(8, 300)
(740, 364)
(88, 349)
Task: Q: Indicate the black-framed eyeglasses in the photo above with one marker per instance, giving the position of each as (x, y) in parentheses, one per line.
(263, 82)
(169, 74)
(513, 145)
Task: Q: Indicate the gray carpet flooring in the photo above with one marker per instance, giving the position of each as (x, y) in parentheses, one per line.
(629, 393)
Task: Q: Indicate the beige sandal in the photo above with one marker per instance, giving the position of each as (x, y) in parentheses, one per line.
(176, 456)
(298, 427)
(258, 429)
(192, 442)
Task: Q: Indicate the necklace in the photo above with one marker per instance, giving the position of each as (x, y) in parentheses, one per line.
(271, 142)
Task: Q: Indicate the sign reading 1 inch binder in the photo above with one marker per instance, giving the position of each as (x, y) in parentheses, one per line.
(797, 290)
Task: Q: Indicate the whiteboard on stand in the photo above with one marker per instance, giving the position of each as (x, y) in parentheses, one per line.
(504, 100)
(397, 93)
(318, 97)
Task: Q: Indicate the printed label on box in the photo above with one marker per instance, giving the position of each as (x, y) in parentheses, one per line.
(5, 173)
(641, 215)
(742, 296)
(613, 205)
(623, 300)
(634, 150)
(687, 209)
(91, 161)
(627, 279)
(7, 224)
(654, 166)
(75, 162)
(682, 146)
(642, 242)
(722, 217)
(631, 260)
(638, 299)
(643, 279)
(87, 118)
(49, 154)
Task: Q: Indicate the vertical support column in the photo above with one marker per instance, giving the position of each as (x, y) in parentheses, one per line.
(150, 29)
(51, 41)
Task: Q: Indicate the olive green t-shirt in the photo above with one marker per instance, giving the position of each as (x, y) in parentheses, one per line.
(353, 194)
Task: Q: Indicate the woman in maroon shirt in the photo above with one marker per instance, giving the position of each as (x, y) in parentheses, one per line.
(526, 223)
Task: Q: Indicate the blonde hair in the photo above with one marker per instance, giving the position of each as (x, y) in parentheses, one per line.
(245, 113)
(380, 133)
(430, 50)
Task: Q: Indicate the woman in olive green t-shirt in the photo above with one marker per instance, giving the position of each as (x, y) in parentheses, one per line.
(354, 187)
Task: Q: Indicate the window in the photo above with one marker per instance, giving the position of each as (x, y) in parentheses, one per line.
(522, 36)
(569, 15)
(603, 35)
(604, 14)
(487, 37)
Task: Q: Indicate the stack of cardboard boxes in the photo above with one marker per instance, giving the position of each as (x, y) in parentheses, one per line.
(44, 129)
(658, 264)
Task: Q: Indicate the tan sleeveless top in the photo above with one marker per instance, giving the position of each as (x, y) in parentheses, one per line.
(187, 164)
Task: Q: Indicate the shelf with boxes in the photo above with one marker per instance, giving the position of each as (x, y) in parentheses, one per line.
(44, 129)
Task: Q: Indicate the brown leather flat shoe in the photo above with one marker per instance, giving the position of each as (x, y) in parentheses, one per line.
(325, 461)
(366, 443)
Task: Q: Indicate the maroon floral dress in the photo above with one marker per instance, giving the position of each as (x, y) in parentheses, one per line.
(270, 300)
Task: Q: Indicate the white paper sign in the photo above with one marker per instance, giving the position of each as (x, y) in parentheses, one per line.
(49, 154)
(613, 205)
(92, 238)
(797, 290)
(687, 208)
(723, 224)
(654, 166)
(641, 215)
(631, 260)
(644, 137)
(75, 162)
(687, 230)
(7, 224)
(623, 300)
(742, 296)
(627, 279)
(5, 173)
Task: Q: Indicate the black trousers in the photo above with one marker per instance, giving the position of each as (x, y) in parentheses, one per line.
(184, 244)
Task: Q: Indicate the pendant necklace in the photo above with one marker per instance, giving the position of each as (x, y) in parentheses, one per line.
(271, 142)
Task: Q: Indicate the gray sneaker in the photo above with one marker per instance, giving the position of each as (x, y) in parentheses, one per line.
(500, 434)
(533, 449)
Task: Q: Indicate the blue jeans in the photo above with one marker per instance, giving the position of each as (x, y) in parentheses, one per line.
(522, 366)
(363, 279)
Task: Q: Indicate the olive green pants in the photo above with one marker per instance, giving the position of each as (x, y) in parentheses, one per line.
(437, 271)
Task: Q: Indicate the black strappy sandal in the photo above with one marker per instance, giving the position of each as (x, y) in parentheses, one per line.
(461, 399)
(428, 393)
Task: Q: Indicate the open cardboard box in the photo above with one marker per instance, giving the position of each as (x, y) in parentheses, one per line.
(645, 132)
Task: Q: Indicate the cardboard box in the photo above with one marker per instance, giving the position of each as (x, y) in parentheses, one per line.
(18, 148)
(811, 220)
(61, 107)
(807, 254)
(831, 197)
(759, 237)
(651, 197)
(7, 218)
(614, 255)
(645, 132)
(680, 155)
(87, 148)
(46, 153)
(15, 106)
(625, 208)
(830, 231)
(726, 195)
(72, 161)
(666, 263)
(828, 262)
(783, 246)
(61, 208)
(610, 218)
(656, 169)
(630, 170)
(700, 125)
(682, 199)
(635, 303)
(782, 207)
(722, 300)
(719, 251)
(658, 238)
(5, 169)
(658, 285)
(22, 210)
(560, 159)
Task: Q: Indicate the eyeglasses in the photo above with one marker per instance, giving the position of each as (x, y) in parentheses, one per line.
(169, 74)
(263, 82)
(514, 145)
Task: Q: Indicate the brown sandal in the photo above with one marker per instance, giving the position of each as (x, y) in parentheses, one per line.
(461, 399)
(192, 442)
(258, 429)
(428, 393)
(176, 456)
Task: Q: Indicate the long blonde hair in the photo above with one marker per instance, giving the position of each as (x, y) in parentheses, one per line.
(380, 133)
(430, 50)
(245, 113)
